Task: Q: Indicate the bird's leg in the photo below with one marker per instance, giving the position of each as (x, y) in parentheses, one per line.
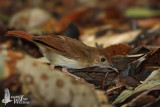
(74, 76)
(52, 66)
(64, 70)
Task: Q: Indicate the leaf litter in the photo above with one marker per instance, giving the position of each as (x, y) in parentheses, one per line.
(128, 31)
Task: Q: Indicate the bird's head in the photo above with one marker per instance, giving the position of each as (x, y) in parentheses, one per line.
(102, 59)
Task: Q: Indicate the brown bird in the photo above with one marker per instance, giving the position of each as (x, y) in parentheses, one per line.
(67, 52)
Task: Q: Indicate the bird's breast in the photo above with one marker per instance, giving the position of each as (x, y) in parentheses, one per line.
(66, 62)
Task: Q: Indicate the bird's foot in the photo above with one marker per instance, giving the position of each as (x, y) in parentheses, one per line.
(74, 76)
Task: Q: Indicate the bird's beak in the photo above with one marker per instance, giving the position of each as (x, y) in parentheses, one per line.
(111, 66)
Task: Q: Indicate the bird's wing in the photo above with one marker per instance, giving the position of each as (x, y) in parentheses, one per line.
(62, 45)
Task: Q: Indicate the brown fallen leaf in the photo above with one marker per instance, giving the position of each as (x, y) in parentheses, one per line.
(148, 23)
(118, 49)
(141, 68)
(73, 16)
(33, 20)
(9, 64)
(107, 39)
(149, 83)
(51, 87)
(146, 97)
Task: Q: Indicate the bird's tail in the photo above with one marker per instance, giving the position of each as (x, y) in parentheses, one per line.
(20, 34)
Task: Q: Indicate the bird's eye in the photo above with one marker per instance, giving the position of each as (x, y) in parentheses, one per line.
(103, 59)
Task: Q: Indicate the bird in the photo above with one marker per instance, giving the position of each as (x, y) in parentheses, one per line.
(67, 52)
(6, 97)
